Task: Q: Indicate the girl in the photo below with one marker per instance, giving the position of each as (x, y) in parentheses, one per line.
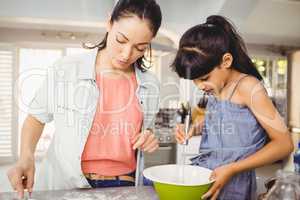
(239, 114)
(103, 104)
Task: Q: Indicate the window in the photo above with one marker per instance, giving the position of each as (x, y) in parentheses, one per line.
(7, 139)
(264, 67)
(75, 51)
(33, 64)
(274, 72)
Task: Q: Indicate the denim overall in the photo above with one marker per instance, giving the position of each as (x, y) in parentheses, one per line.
(231, 133)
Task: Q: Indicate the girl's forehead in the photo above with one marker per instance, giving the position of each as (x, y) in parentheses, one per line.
(210, 74)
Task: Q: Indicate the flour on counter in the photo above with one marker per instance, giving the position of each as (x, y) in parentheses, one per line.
(85, 196)
(132, 198)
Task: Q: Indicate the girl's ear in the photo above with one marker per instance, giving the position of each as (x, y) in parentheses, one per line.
(226, 61)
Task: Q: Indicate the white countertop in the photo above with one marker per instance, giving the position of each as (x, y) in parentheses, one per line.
(114, 193)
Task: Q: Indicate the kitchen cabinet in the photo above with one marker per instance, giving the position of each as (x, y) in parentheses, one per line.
(162, 156)
(185, 152)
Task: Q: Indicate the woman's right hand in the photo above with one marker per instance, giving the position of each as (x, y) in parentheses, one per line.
(21, 176)
(194, 130)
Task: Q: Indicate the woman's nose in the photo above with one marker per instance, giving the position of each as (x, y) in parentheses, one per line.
(126, 53)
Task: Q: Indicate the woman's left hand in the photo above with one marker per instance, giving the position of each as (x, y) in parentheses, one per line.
(146, 141)
(221, 175)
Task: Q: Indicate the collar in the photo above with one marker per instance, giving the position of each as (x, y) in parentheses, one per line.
(86, 68)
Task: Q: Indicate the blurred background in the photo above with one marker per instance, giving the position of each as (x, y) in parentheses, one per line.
(35, 33)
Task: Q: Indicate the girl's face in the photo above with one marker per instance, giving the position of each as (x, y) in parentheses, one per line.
(214, 81)
(127, 40)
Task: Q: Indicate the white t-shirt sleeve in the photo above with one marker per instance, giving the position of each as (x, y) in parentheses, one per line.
(41, 106)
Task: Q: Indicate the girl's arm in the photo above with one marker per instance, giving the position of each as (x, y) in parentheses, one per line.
(255, 97)
(281, 144)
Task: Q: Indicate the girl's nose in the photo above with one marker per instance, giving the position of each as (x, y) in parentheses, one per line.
(199, 84)
(203, 87)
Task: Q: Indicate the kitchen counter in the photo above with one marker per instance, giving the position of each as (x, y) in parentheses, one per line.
(115, 193)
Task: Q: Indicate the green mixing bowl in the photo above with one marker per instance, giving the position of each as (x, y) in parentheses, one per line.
(179, 182)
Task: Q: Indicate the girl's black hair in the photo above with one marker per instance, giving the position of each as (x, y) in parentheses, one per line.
(201, 49)
(144, 9)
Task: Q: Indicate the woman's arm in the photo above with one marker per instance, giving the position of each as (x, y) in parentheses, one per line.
(21, 175)
(31, 133)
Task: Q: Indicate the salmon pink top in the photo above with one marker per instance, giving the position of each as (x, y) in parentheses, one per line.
(118, 118)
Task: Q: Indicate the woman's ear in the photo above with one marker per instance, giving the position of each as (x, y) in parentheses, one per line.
(108, 26)
(108, 22)
(227, 61)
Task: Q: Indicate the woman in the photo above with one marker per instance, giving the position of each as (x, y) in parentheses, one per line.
(103, 104)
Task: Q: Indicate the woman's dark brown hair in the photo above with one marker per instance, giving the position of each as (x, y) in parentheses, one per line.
(144, 9)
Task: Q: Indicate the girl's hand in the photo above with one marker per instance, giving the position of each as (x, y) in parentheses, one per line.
(194, 130)
(146, 141)
(222, 176)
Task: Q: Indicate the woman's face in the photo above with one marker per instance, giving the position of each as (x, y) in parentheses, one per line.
(127, 40)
